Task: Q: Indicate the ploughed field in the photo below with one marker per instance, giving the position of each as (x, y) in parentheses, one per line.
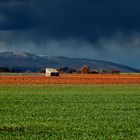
(72, 79)
(70, 112)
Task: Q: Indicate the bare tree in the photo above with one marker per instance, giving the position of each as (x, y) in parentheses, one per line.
(85, 69)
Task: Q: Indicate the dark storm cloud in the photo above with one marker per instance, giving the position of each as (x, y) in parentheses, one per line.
(71, 18)
(98, 28)
(16, 15)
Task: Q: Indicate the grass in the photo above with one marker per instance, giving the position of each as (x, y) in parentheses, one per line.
(69, 112)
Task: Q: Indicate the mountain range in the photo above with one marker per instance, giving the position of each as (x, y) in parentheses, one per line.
(30, 62)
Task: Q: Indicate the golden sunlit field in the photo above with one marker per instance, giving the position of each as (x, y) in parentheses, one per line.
(73, 79)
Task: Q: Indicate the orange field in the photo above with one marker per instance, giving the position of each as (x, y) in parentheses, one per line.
(72, 79)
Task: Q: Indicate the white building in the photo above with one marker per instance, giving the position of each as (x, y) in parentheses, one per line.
(51, 72)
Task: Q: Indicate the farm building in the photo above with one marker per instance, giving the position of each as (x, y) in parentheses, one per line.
(51, 72)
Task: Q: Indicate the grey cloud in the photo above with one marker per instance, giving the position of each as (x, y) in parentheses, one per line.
(79, 18)
(100, 29)
(119, 48)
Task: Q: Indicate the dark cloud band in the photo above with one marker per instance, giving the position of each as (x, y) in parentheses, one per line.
(41, 21)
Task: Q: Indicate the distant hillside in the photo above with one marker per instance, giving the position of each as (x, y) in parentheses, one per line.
(30, 62)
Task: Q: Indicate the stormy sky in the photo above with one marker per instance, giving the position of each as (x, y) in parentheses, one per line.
(99, 29)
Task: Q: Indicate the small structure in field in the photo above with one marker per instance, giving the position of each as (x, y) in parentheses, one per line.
(51, 72)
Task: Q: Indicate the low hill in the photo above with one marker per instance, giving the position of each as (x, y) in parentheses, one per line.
(31, 62)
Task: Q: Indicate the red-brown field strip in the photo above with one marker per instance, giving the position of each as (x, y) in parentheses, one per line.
(73, 79)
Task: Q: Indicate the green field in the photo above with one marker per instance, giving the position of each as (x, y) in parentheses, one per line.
(70, 112)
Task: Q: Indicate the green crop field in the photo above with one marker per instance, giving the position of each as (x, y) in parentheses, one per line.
(70, 112)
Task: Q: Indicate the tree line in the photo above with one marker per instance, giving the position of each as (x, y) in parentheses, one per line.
(83, 70)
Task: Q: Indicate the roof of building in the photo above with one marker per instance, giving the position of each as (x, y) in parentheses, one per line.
(51, 69)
